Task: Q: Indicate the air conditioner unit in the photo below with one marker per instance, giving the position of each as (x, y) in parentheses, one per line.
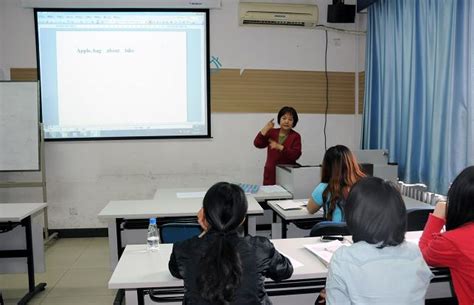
(295, 15)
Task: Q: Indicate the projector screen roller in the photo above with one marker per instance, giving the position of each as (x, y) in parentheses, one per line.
(123, 74)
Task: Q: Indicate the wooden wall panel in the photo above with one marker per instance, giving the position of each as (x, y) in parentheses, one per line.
(361, 91)
(23, 74)
(269, 90)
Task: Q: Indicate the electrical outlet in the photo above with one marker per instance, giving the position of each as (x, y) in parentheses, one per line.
(72, 211)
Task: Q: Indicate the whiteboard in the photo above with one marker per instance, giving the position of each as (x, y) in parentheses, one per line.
(19, 132)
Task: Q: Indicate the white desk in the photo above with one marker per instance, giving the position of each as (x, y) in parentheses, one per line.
(11, 215)
(297, 216)
(260, 196)
(301, 215)
(139, 270)
(263, 196)
(166, 205)
(412, 204)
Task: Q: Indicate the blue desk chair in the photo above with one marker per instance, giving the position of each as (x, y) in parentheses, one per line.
(417, 218)
(329, 228)
(171, 233)
(174, 232)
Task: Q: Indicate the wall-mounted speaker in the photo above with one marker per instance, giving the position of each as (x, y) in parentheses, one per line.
(341, 13)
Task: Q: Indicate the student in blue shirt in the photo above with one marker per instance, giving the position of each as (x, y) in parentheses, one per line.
(380, 267)
(339, 172)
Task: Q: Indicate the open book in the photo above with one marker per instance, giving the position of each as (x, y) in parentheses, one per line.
(325, 250)
(292, 204)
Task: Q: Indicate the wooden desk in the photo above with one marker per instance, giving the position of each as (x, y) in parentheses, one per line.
(166, 206)
(139, 270)
(11, 215)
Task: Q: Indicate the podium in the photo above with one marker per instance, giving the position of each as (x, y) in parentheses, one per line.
(301, 180)
(375, 163)
(298, 180)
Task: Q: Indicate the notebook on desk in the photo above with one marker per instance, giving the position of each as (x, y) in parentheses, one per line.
(292, 204)
(325, 250)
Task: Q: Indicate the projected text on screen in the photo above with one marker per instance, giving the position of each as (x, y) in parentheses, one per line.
(123, 74)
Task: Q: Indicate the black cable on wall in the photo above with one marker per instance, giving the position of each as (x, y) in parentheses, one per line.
(327, 92)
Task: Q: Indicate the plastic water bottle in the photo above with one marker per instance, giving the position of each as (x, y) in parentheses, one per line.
(153, 240)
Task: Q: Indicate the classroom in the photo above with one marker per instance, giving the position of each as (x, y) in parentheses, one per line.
(117, 112)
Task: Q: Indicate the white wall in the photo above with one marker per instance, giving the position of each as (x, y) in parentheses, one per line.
(18, 36)
(2, 28)
(278, 48)
(83, 176)
(362, 26)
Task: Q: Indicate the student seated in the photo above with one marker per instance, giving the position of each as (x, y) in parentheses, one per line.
(455, 247)
(379, 268)
(222, 267)
(339, 172)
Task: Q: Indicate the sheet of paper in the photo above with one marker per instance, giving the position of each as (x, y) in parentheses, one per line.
(303, 202)
(187, 195)
(413, 240)
(291, 204)
(413, 237)
(294, 262)
(325, 250)
(272, 189)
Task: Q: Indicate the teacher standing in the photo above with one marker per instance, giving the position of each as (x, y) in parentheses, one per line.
(283, 144)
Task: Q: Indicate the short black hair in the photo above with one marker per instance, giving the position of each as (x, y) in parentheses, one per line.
(460, 208)
(375, 213)
(290, 110)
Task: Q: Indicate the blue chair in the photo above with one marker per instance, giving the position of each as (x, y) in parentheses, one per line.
(174, 232)
(329, 228)
(171, 233)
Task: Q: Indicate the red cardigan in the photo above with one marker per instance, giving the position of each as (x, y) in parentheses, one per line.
(453, 249)
(290, 153)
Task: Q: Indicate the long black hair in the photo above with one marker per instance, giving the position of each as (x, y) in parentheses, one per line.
(225, 207)
(460, 208)
(376, 213)
(340, 171)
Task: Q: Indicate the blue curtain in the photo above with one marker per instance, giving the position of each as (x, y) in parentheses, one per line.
(418, 91)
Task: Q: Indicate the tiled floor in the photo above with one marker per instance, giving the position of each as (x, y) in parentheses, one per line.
(77, 272)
